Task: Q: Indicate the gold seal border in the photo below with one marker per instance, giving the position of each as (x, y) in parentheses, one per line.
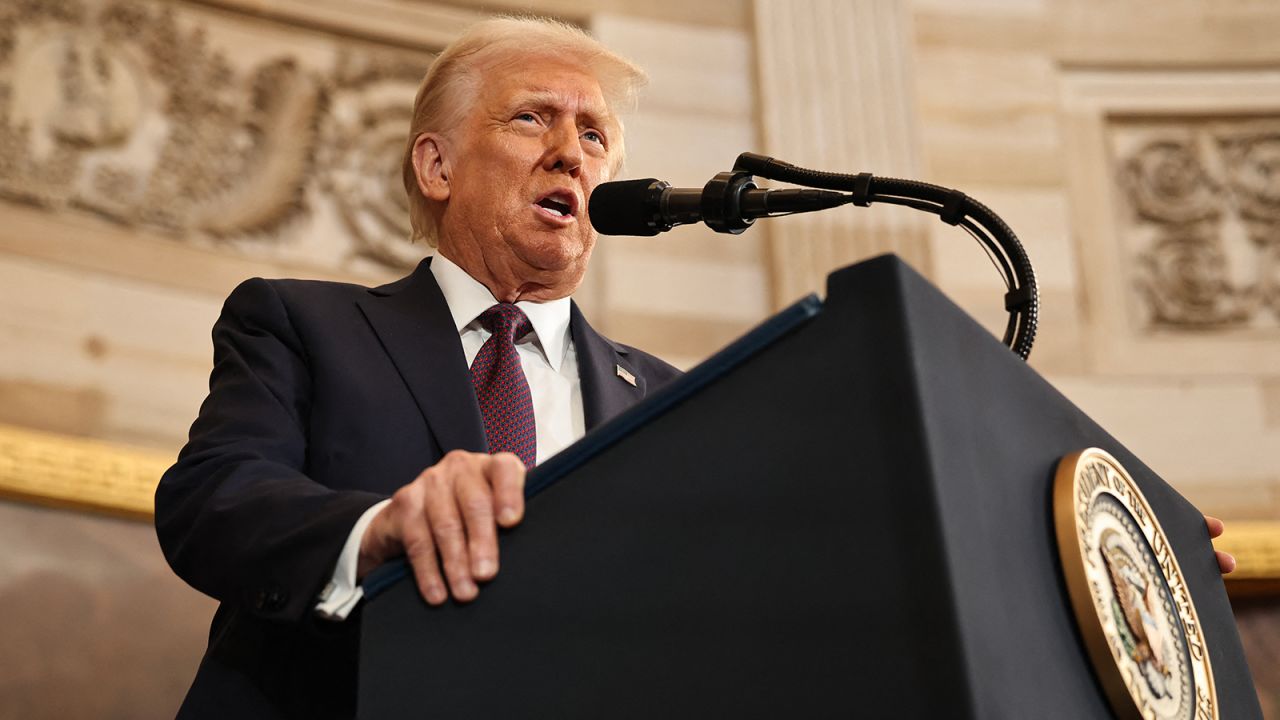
(1072, 550)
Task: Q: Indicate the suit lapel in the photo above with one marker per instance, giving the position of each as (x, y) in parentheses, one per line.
(416, 329)
(605, 392)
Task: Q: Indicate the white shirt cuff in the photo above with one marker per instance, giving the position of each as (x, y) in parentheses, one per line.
(341, 595)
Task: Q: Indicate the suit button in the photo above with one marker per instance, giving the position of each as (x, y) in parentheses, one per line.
(271, 600)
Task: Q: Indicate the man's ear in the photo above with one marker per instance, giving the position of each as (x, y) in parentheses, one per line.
(431, 166)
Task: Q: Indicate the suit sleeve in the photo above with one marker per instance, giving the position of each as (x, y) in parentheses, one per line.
(236, 516)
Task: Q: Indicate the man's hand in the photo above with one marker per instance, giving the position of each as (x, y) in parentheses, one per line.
(448, 516)
(1226, 563)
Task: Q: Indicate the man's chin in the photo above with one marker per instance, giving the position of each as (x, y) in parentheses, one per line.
(551, 275)
(553, 253)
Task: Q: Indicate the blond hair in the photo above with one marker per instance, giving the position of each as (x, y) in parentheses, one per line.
(452, 82)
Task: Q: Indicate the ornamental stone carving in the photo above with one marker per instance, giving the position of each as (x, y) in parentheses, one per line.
(1203, 202)
(138, 112)
(361, 150)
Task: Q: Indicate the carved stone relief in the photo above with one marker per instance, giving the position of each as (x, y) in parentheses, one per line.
(361, 150)
(1202, 230)
(134, 112)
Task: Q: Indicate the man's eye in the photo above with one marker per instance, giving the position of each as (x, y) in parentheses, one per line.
(593, 136)
(527, 117)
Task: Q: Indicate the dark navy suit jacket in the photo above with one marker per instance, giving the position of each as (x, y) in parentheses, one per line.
(324, 399)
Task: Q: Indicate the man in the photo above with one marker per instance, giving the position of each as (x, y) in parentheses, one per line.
(346, 426)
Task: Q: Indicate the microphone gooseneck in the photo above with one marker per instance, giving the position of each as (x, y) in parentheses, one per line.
(1022, 299)
(731, 202)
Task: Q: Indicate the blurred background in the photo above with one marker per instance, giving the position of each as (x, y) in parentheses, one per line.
(154, 154)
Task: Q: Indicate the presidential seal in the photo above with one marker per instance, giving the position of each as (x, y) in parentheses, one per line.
(1130, 600)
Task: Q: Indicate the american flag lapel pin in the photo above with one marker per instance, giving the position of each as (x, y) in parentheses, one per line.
(626, 375)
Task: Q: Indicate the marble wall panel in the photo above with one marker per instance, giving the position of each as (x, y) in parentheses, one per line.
(988, 113)
(142, 352)
(836, 88)
(96, 625)
(684, 294)
(1191, 433)
(641, 280)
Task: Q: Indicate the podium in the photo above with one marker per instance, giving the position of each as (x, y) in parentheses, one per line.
(847, 513)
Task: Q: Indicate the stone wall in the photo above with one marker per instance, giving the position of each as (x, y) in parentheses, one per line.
(1134, 150)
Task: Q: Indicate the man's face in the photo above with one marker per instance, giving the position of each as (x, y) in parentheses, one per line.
(536, 142)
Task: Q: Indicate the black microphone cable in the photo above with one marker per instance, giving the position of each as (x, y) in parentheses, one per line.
(1022, 299)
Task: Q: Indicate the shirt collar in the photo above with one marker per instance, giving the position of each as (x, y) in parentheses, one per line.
(467, 299)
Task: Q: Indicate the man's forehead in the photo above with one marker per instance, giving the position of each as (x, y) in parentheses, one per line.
(550, 82)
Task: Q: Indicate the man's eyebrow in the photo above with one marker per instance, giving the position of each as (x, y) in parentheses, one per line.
(596, 115)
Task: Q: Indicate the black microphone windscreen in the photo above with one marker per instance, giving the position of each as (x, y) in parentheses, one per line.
(622, 208)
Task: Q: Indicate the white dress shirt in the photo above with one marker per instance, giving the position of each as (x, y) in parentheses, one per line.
(550, 364)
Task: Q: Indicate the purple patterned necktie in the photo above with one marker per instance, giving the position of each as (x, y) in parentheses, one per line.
(501, 387)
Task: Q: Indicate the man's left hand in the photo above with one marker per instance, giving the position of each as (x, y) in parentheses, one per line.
(1226, 562)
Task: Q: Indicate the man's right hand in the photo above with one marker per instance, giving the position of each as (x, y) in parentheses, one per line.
(448, 517)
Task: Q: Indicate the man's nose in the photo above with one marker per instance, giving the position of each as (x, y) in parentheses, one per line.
(564, 151)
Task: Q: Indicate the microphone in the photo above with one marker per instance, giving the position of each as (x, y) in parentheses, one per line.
(729, 203)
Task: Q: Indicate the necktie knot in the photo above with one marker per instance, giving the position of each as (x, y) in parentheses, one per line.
(507, 321)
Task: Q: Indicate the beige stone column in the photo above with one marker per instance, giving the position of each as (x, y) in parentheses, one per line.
(837, 93)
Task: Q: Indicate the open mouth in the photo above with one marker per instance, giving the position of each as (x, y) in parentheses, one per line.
(558, 203)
